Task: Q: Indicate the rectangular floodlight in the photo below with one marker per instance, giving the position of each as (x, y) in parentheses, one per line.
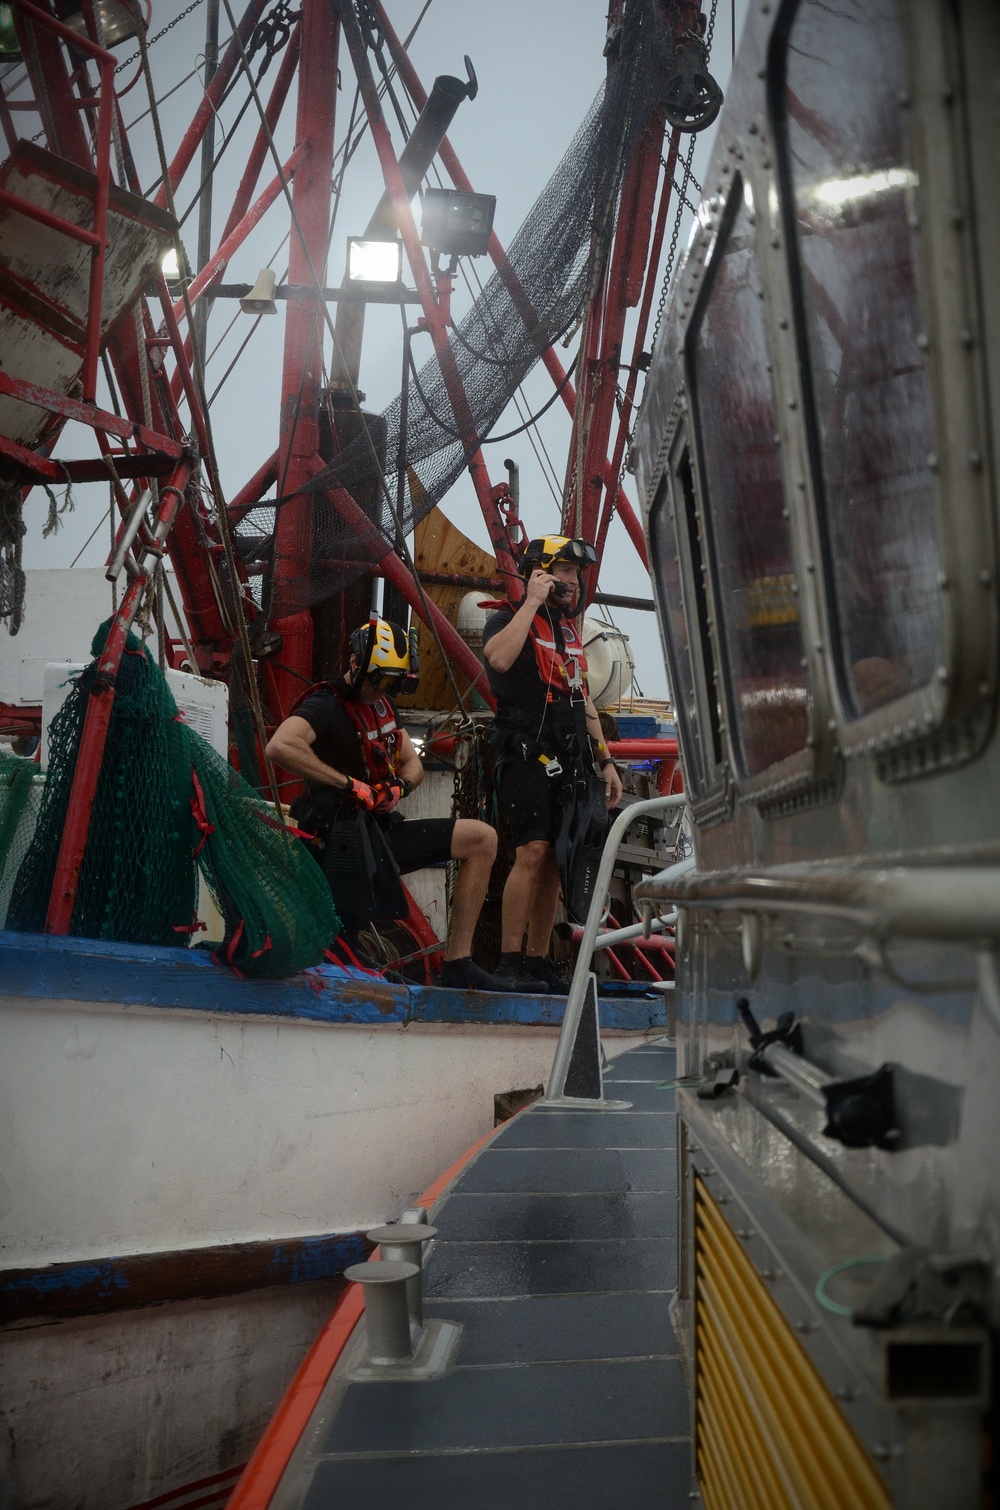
(456, 223)
(374, 261)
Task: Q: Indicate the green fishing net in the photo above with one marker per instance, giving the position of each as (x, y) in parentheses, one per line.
(165, 804)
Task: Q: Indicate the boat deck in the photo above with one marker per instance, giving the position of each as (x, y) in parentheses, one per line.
(557, 1252)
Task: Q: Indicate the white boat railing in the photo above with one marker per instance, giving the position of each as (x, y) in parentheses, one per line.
(555, 1090)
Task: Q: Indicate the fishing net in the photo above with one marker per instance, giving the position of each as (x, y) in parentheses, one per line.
(165, 804)
(137, 883)
(275, 899)
(20, 800)
(524, 309)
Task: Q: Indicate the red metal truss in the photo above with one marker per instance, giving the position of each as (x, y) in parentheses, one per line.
(434, 320)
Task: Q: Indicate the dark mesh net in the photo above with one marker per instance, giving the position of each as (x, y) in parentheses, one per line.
(165, 804)
(553, 262)
(275, 900)
(137, 884)
(21, 789)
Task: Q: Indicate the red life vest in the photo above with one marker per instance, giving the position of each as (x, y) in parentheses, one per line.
(378, 731)
(563, 671)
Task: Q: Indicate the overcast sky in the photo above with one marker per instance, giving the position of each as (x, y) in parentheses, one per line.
(539, 64)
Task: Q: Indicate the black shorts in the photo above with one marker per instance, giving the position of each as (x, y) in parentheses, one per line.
(417, 842)
(530, 799)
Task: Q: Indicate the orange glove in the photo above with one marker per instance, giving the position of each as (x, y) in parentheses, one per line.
(388, 793)
(364, 795)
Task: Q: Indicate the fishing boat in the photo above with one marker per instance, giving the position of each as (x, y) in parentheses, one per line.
(756, 1265)
(194, 1153)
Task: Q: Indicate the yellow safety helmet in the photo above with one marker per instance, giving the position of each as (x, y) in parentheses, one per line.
(387, 655)
(548, 549)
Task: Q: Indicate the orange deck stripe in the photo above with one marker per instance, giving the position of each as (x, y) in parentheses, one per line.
(262, 1475)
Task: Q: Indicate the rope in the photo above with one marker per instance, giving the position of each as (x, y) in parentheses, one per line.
(222, 515)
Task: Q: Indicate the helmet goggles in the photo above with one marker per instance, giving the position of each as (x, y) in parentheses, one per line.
(387, 656)
(548, 549)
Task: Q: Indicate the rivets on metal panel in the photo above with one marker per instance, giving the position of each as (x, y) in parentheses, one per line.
(744, 1233)
(775, 240)
(694, 1148)
(765, 162)
(804, 1325)
(831, 724)
(956, 217)
(985, 577)
(903, 100)
(810, 566)
(932, 460)
(943, 582)
(975, 460)
(783, 323)
(947, 95)
(882, 1451)
(923, 341)
(753, 128)
(845, 1393)
(942, 673)
(792, 403)
(965, 338)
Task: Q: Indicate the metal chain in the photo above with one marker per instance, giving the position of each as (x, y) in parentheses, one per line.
(674, 238)
(682, 195)
(710, 31)
(150, 40)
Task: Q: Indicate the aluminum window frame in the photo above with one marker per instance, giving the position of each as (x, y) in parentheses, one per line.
(711, 793)
(947, 721)
(810, 775)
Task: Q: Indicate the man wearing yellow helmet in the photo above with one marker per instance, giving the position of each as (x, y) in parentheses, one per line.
(344, 739)
(552, 754)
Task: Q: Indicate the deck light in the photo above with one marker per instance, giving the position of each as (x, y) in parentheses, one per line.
(115, 21)
(455, 223)
(374, 261)
(10, 47)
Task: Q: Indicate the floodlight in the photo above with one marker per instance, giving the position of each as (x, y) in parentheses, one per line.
(456, 223)
(169, 264)
(374, 261)
(115, 21)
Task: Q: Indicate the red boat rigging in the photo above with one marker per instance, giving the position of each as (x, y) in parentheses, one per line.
(345, 503)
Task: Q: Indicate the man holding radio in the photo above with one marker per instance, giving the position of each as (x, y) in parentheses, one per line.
(552, 755)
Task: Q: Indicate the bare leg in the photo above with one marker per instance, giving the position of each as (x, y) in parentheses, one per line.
(474, 844)
(530, 861)
(544, 901)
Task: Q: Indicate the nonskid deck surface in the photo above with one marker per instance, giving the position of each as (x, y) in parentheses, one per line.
(557, 1252)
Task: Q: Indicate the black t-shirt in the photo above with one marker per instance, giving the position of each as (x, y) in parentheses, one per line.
(522, 705)
(338, 740)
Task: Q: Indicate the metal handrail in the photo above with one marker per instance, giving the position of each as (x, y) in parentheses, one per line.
(581, 972)
(940, 902)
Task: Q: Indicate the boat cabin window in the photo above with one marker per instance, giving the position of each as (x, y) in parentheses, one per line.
(759, 633)
(673, 528)
(849, 177)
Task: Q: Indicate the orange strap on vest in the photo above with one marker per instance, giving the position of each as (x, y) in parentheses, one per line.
(378, 731)
(563, 671)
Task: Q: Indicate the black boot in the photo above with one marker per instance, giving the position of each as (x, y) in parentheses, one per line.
(465, 975)
(542, 968)
(526, 981)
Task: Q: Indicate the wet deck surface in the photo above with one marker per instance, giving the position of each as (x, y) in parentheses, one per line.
(557, 1252)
